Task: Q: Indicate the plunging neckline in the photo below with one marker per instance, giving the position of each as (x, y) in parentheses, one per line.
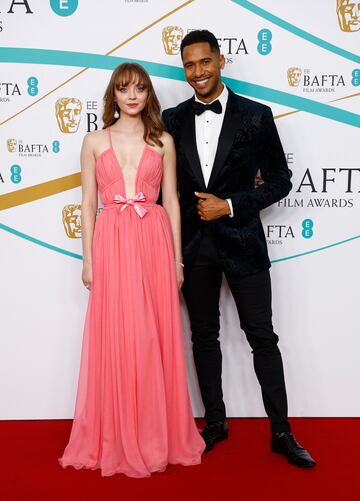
(121, 170)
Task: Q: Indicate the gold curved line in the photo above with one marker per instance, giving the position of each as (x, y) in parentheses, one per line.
(43, 97)
(42, 190)
(345, 97)
(286, 114)
(332, 101)
(106, 54)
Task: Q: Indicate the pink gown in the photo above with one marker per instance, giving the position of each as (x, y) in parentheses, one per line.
(133, 412)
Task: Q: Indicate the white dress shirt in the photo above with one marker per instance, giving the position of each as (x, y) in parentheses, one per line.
(207, 131)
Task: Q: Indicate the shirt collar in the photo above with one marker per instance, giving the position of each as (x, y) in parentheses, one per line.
(223, 97)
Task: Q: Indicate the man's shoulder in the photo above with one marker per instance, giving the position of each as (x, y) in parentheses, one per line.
(170, 114)
(251, 106)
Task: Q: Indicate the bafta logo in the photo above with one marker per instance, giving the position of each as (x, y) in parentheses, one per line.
(172, 37)
(348, 12)
(71, 217)
(68, 114)
(294, 76)
(11, 145)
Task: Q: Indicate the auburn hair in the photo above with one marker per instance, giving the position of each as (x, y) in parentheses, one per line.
(122, 76)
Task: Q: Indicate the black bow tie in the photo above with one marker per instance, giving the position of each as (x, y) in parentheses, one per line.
(199, 108)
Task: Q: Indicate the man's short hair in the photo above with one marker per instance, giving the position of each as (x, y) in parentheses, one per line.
(200, 36)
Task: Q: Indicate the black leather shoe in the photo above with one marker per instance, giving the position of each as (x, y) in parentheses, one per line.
(214, 432)
(286, 444)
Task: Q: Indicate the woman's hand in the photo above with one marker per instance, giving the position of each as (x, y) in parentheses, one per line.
(179, 274)
(87, 275)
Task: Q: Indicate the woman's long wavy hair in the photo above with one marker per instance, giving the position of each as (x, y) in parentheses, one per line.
(122, 76)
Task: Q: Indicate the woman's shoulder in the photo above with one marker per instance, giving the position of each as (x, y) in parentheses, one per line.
(95, 136)
(96, 141)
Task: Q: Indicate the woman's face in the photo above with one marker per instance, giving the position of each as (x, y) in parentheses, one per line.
(131, 98)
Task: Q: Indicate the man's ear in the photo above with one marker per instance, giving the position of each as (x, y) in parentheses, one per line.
(222, 61)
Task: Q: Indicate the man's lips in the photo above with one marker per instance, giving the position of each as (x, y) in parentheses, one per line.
(201, 83)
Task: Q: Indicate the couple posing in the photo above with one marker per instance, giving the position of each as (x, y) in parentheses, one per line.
(133, 412)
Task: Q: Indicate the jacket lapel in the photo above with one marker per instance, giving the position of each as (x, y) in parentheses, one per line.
(188, 143)
(226, 138)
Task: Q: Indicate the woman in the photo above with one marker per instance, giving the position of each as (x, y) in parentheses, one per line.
(133, 413)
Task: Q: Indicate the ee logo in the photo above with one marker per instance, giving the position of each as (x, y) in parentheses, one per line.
(64, 8)
(264, 46)
(56, 146)
(15, 173)
(307, 228)
(33, 83)
(355, 81)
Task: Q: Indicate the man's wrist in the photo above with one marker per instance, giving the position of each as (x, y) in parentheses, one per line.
(231, 210)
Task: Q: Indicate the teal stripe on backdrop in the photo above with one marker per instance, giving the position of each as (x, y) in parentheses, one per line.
(298, 31)
(78, 256)
(301, 254)
(39, 242)
(299, 103)
(82, 59)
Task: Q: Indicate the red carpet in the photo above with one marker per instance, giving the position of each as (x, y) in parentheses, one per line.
(243, 468)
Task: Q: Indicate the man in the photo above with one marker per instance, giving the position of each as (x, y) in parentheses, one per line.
(222, 140)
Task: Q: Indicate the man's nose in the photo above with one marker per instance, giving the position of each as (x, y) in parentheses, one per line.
(198, 71)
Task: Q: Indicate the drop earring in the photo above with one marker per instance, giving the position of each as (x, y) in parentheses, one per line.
(116, 112)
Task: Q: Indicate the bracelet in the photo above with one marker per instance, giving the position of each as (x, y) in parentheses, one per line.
(180, 264)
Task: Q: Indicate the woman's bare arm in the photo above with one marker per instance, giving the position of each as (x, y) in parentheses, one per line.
(88, 205)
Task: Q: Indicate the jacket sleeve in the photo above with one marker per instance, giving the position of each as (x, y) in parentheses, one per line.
(274, 172)
(166, 114)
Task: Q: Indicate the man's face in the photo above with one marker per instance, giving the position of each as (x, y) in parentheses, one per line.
(173, 40)
(203, 70)
(69, 116)
(349, 15)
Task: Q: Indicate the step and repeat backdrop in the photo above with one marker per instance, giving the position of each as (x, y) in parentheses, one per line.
(56, 58)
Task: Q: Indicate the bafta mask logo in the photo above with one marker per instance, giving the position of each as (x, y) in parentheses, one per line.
(11, 145)
(172, 37)
(348, 12)
(294, 76)
(71, 217)
(68, 114)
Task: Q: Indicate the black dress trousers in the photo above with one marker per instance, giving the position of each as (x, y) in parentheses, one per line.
(252, 295)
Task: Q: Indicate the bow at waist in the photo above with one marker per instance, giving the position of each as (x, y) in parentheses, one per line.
(122, 203)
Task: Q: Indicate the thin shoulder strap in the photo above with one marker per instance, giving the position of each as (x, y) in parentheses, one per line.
(110, 141)
(147, 136)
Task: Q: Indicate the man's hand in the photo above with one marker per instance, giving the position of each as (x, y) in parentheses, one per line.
(210, 207)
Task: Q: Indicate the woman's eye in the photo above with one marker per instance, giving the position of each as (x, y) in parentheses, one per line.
(141, 89)
(123, 89)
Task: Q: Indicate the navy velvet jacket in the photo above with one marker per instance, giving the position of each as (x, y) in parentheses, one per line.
(248, 141)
